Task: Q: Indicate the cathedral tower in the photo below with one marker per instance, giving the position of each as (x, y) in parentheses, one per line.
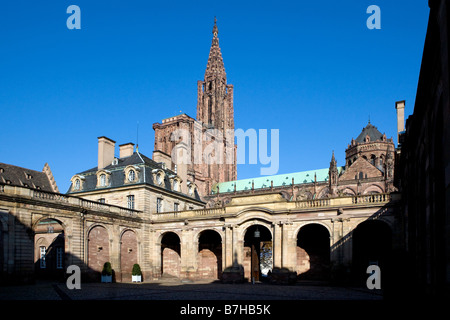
(210, 136)
(214, 95)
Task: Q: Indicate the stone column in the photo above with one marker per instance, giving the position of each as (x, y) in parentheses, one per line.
(189, 254)
(288, 247)
(238, 247)
(155, 254)
(228, 247)
(277, 252)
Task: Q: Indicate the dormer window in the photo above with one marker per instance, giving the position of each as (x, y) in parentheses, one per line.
(191, 189)
(103, 180)
(131, 175)
(175, 185)
(77, 184)
(159, 178)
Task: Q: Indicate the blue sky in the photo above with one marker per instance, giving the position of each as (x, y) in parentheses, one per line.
(311, 69)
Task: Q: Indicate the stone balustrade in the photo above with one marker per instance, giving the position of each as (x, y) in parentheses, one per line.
(67, 200)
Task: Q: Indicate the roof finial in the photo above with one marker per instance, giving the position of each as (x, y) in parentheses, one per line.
(369, 118)
(215, 29)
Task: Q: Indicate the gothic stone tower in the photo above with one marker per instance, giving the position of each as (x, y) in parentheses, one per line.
(214, 95)
(207, 143)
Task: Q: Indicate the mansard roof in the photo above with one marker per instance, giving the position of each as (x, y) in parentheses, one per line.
(23, 177)
(279, 180)
(116, 170)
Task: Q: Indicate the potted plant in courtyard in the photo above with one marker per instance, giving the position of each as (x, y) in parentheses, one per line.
(107, 272)
(136, 274)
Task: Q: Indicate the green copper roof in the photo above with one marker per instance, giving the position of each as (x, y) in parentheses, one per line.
(279, 180)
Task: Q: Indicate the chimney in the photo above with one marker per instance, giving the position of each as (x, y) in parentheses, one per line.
(126, 150)
(400, 106)
(105, 151)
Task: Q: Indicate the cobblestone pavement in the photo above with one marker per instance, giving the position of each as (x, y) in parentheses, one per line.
(177, 290)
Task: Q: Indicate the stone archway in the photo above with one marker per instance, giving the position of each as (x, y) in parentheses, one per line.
(98, 250)
(49, 249)
(258, 249)
(313, 252)
(128, 254)
(209, 256)
(170, 255)
(371, 245)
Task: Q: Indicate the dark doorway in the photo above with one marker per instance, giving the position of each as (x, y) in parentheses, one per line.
(313, 252)
(257, 253)
(170, 255)
(209, 255)
(49, 249)
(372, 245)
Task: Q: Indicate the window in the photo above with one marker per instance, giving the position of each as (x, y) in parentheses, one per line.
(59, 258)
(131, 175)
(77, 184)
(159, 178)
(103, 180)
(158, 205)
(130, 201)
(43, 251)
(361, 175)
(175, 206)
(102, 200)
(175, 185)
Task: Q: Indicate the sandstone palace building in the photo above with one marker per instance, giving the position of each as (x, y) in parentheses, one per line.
(177, 217)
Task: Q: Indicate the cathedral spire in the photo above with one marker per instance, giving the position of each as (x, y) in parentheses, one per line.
(215, 67)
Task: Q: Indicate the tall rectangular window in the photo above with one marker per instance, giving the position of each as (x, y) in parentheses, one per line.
(59, 257)
(175, 206)
(130, 201)
(43, 251)
(158, 205)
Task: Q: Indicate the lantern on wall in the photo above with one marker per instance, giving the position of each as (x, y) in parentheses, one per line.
(257, 234)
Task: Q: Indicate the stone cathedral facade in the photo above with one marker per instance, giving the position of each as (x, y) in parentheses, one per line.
(178, 214)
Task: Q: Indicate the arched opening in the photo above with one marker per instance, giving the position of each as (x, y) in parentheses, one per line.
(373, 160)
(313, 252)
(372, 245)
(49, 249)
(128, 254)
(257, 253)
(170, 255)
(209, 255)
(98, 251)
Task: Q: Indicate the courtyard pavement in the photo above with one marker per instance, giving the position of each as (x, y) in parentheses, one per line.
(178, 290)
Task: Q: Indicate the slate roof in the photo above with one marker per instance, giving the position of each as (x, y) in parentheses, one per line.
(370, 130)
(23, 177)
(117, 176)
